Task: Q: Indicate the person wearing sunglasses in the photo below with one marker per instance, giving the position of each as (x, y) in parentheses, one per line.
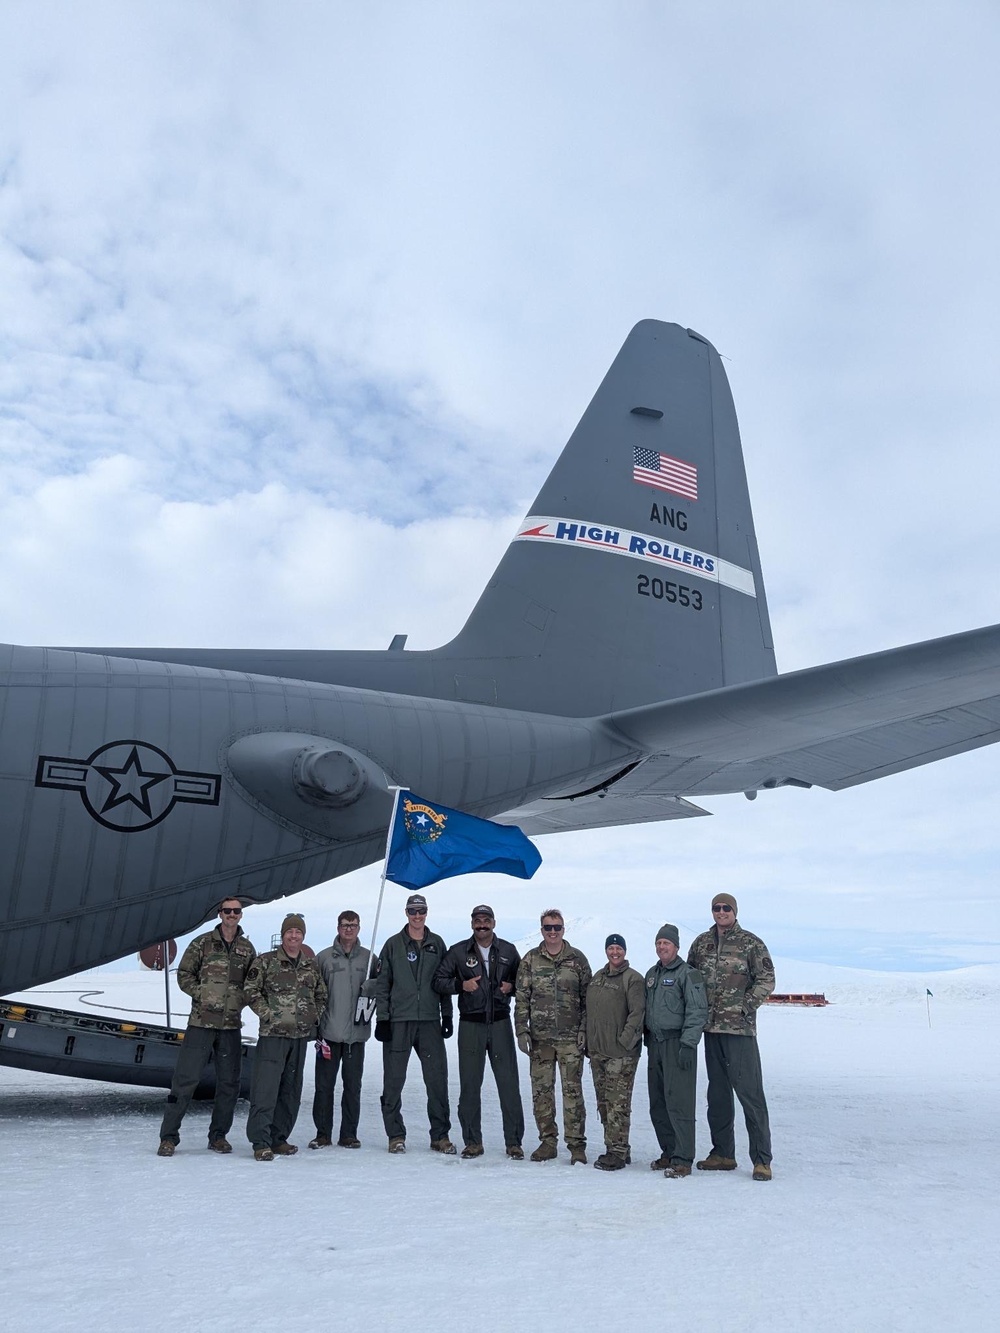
(481, 971)
(411, 1016)
(213, 972)
(739, 976)
(551, 1026)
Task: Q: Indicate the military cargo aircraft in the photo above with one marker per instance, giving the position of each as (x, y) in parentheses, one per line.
(618, 666)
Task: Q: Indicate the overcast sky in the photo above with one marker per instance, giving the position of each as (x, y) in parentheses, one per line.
(301, 302)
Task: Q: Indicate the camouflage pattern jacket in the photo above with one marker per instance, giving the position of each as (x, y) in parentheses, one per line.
(287, 995)
(676, 1003)
(214, 976)
(552, 996)
(739, 976)
(404, 983)
(616, 1007)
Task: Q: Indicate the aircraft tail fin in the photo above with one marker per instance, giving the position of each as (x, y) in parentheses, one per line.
(635, 577)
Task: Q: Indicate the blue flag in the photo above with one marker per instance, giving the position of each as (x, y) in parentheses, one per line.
(430, 842)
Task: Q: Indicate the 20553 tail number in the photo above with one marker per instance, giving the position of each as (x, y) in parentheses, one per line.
(665, 591)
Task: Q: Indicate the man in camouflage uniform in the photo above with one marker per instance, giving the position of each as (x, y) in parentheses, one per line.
(676, 1011)
(341, 1046)
(551, 1026)
(739, 976)
(287, 993)
(411, 1016)
(616, 1006)
(212, 971)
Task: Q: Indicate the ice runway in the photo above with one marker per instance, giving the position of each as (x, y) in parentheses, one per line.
(883, 1213)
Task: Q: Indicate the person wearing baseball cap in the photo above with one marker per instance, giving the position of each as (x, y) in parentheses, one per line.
(739, 976)
(676, 1010)
(482, 971)
(411, 1016)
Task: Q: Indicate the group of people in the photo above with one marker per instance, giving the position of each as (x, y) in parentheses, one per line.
(549, 1004)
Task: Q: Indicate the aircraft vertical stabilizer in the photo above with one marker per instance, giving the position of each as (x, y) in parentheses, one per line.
(635, 577)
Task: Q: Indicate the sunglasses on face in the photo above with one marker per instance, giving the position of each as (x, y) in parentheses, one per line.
(231, 911)
(350, 925)
(416, 911)
(722, 907)
(552, 928)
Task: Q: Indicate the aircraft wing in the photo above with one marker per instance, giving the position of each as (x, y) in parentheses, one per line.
(831, 726)
(622, 803)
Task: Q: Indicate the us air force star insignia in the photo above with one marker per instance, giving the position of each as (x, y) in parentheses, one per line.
(128, 786)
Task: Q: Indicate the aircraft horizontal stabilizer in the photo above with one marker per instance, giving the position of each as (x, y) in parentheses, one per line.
(831, 726)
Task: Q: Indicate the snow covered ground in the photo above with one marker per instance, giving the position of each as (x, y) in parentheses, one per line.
(884, 1211)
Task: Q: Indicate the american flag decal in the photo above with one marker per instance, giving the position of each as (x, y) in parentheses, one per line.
(650, 468)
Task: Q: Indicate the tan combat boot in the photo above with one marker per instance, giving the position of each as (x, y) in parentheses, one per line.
(545, 1152)
(762, 1171)
(577, 1157)
(713, 1162)
(443, 1145)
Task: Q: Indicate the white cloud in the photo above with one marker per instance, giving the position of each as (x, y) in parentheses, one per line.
(325, 289)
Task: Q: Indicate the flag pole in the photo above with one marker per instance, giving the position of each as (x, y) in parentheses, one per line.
(385, 861)
(928, 998)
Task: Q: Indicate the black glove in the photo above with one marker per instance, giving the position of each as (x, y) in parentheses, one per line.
(685, 1057)
(447, 1027)
(383, 1030)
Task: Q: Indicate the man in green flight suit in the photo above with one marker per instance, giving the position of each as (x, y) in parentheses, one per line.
(676, 1010)
(411, 1016)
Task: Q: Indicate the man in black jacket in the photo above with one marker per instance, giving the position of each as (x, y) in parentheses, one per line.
(481, 971)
